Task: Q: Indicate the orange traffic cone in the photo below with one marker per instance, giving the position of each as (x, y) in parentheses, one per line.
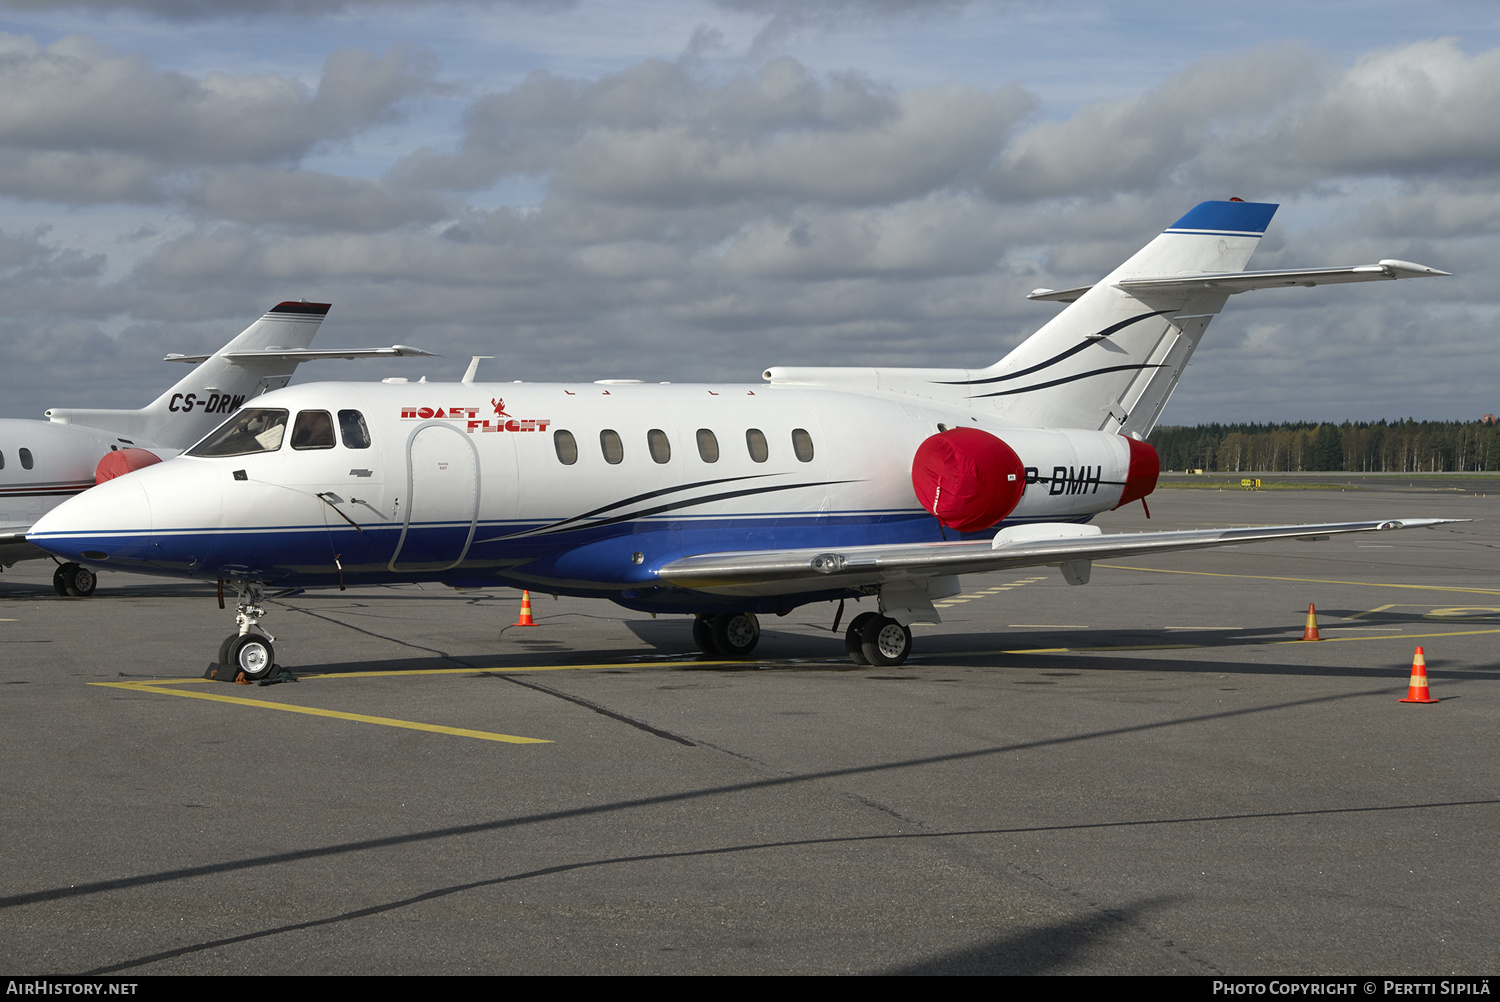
(1310, 631)
(1417, 692)
(525, 619)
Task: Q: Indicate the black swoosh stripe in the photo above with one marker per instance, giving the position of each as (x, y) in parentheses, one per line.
(675, 505)
(1114, 329)
(648, 496)
(1069, 379)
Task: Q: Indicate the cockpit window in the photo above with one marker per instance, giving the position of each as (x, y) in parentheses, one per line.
(352, 428)
(313, 430)
(248, 432)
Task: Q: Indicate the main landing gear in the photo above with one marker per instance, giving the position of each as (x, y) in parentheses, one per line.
(75, 580)
(726, 634)
(873, 639)
(249, 651)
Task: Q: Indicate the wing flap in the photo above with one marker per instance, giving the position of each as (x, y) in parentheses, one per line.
(855, 566)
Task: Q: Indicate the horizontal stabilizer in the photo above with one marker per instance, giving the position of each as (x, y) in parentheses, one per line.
(873, 565)
(1246, 281)
(307, 354)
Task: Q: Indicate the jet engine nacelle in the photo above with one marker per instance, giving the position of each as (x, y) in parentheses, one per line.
(971, 479)
(968, 478)
(123, 461)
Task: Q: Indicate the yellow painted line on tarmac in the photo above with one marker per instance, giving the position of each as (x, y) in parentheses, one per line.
(1269, 577)
(1378, 608)
(1187, 647)
(1389, 636)
(462, 732)
(1047, 626)
(616, 666)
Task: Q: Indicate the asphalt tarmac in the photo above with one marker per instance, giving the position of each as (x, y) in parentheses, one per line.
(1150, 774)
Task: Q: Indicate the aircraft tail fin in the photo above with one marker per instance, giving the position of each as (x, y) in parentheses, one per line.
(253, 363)
(1112, 358)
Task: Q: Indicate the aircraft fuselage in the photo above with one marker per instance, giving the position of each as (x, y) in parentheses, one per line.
(582, 489)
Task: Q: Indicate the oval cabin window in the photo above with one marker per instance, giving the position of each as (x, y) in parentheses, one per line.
(755, 441)
(611, 446)
(661, 449)
(802, 445)
(566, 446)
(708, 446)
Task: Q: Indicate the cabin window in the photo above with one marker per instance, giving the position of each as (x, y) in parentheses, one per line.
(611, 446)
(802, 445)
(259, 429)
(661, 449)
(2, 460)
(355, 432)
(566, 446)
(25, 459)
(755, 441)
(708, 446)
(313, 430)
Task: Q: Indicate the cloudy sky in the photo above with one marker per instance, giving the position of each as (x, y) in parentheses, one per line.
(697, 189)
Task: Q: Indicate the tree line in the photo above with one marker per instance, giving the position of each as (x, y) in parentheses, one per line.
(1361, 447)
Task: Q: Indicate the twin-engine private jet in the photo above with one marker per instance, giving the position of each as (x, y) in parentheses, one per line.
(43, 463)
(719, 500)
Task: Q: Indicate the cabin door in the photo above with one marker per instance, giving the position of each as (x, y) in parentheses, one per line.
(442, 499)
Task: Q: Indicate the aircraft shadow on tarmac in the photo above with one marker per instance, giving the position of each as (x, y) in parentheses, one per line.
(1050, 948)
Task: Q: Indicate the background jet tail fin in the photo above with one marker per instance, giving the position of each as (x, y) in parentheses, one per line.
(217, 386)
(1110, 360)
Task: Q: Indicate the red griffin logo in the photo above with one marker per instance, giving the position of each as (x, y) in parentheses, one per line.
(474, 423)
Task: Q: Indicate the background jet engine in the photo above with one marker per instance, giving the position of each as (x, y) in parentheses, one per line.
(968, 478)
(123, 461)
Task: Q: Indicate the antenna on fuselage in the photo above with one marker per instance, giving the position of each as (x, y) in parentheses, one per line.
(473, 367)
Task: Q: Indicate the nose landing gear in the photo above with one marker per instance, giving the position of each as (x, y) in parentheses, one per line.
(249, 652)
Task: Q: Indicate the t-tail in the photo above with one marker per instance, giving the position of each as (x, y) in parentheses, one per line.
(253, 363)
(1110, 361)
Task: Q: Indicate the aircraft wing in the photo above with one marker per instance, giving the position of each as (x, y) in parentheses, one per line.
(308, 354)
(13, 545)
(1061, 544)
(1245, 281)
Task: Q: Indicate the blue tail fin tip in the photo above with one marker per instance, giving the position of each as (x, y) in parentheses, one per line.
(1226, 217)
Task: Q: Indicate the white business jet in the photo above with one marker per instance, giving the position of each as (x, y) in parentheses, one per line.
(725, 501)
(43, 463)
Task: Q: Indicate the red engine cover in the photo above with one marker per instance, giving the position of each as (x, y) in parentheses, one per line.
(1145, 467)
(117, 464)
(968, 478)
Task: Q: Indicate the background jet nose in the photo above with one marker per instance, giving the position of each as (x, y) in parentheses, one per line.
(108, 522)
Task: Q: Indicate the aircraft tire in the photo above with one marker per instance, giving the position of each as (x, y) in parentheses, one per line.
(736, 633)
(81, 582)
(224, 648)
(60, 580)
(854, 639)
(253, 655)
(885, 642)
(703, 635)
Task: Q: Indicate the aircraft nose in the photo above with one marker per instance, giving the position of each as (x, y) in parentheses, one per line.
(108, 523)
